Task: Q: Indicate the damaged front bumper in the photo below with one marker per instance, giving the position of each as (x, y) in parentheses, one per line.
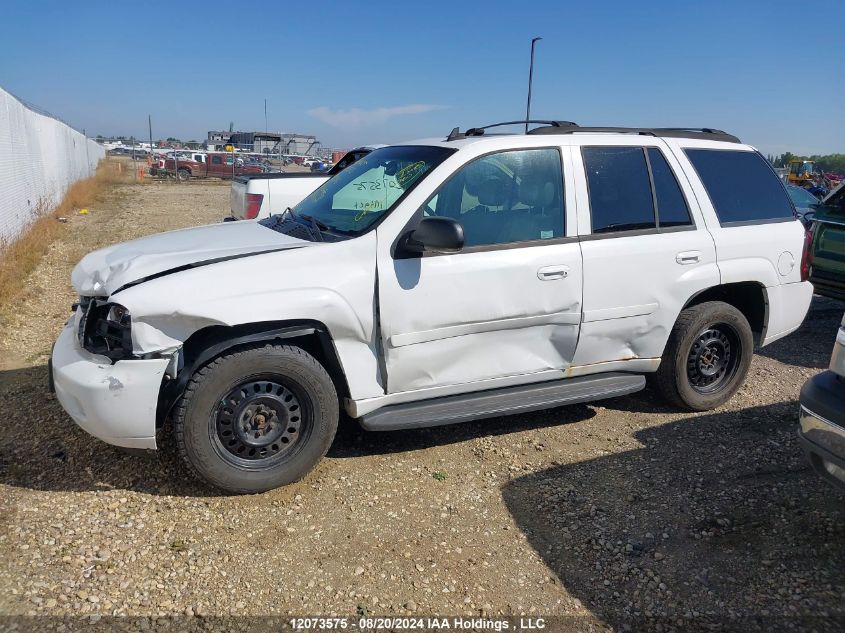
(113, 402)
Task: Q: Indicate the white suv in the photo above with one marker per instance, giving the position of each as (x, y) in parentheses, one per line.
(436, 282)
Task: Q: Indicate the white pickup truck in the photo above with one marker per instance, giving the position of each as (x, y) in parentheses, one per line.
(436, 282)
(257, 196)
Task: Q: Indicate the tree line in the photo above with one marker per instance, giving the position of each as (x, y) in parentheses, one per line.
(829, 162)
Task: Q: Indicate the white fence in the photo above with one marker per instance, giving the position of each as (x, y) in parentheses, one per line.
(40, 157)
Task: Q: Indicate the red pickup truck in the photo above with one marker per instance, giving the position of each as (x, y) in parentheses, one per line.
(221, 165)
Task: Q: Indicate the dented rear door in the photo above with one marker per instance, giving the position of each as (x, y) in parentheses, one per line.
(646, 248)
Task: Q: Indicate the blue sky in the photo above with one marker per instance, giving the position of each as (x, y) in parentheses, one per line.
(355, 72)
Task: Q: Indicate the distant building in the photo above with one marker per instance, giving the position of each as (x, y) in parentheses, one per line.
(266, 142)
(216, 140)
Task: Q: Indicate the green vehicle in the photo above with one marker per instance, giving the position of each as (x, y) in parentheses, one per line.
(827, 265)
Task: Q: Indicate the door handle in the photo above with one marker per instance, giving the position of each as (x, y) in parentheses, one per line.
(688, 257)
(550, 273)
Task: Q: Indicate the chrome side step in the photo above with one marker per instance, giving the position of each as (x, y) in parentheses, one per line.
(504, 401)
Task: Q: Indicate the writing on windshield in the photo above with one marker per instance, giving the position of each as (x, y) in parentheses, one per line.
(356, 198)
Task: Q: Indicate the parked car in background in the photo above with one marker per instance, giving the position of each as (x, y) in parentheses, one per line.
(157, 166)
(160, 161)
(258, 196)
(438, 282)
(805, 203)
(827, 265)
(821, 416)
(321, 166)
(263, 164)
(215, 165)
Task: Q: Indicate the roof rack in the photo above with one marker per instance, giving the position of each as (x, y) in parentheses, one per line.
(568, 127)
(479, 131)
(706, 133)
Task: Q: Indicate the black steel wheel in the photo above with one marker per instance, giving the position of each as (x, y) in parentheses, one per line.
(706, 358)
(256, 418)
(261, 421)
(713, 358)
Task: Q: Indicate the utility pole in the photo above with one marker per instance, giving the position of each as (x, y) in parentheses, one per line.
(266, 129)
(530, 77)
(150, 123)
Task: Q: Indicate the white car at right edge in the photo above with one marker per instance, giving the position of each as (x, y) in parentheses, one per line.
(436, 282)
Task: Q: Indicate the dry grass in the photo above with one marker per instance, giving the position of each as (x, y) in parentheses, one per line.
(20, 257)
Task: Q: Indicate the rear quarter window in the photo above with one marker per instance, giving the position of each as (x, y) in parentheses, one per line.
(741, 185)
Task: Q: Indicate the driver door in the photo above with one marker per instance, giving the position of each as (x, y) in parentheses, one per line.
(508, 305)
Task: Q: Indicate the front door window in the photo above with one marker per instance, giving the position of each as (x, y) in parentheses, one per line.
(514, 196)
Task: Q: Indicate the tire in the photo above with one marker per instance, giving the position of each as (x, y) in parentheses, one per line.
(183, 175)
(706, 358)
(257, 418)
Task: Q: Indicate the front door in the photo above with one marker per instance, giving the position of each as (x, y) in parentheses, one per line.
(509, 304)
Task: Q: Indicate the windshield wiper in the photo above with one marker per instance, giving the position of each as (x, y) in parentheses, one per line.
(315, 222)
(289, 215)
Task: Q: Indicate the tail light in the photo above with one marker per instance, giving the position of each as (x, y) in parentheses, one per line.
(807, 254)
(253, 205)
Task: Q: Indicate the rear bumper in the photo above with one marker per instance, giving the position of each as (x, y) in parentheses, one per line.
(821, 417)
(115, 403)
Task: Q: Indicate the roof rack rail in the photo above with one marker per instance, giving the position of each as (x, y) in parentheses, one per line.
(707, 133)
(479, 131)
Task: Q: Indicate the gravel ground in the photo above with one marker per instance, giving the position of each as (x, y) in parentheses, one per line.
(611, 517)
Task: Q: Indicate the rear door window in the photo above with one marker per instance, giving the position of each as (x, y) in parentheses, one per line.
(741, 185)
(620, 191)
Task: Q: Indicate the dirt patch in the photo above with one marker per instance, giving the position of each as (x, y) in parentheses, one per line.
(621, 514)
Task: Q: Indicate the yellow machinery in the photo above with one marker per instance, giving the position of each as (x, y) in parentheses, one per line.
(801, 172)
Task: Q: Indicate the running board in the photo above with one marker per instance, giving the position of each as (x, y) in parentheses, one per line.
(504, 401)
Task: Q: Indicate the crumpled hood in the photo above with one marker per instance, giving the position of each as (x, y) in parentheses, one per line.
(102, 272)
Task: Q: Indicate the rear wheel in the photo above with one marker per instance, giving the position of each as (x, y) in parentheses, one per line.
(257, 418)
(706, 358)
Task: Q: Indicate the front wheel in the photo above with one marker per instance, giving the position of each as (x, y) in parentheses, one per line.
(706, 358)
(257, 418)
(183, 175)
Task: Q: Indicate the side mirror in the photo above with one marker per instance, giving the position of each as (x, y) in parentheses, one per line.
(436, 235)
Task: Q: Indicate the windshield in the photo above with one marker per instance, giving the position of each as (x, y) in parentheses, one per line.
(801, 197)
(366, 191)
